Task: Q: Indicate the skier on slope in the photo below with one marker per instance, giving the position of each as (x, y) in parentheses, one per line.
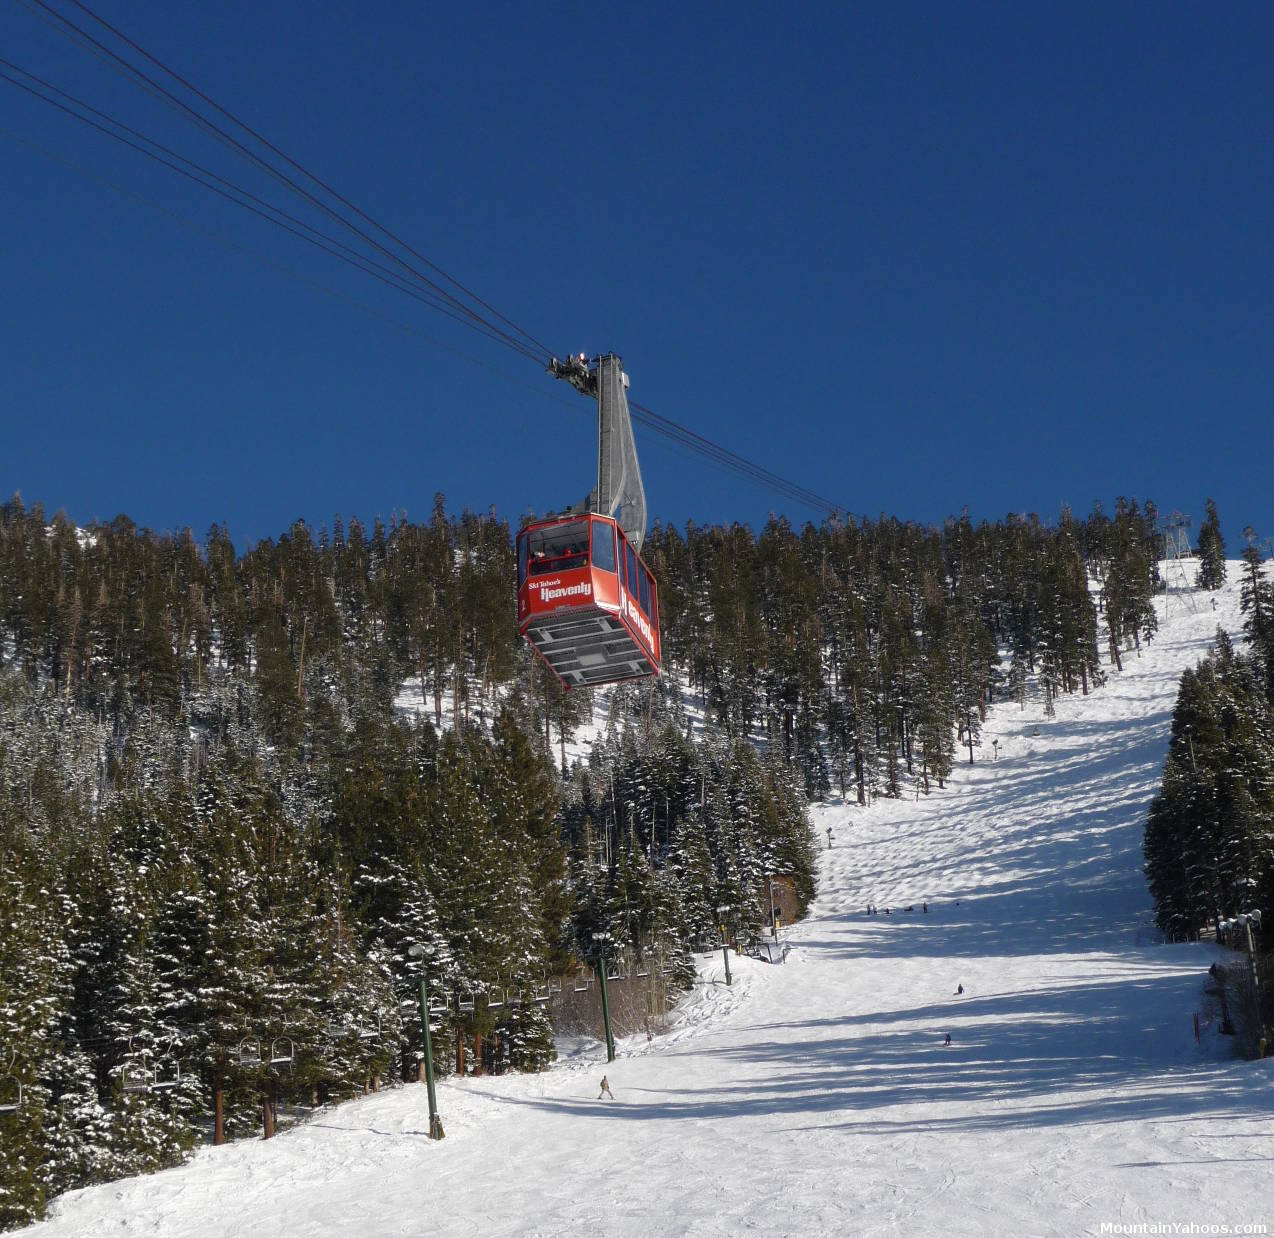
(605, 1090)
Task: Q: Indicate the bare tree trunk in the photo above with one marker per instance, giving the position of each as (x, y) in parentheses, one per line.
(455, 705)
(300, 663)
(438, 682)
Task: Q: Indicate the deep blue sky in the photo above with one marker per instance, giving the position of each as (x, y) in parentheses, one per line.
(916, 257)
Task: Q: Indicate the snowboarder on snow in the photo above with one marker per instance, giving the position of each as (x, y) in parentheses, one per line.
(947, 1041)
(608, 1093)
(959, 989)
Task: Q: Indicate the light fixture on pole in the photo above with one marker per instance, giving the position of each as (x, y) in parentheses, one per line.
(601, 941)
(435, 1122)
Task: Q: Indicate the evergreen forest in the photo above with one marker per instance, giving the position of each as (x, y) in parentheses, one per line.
(227, 852)
(1209, 841)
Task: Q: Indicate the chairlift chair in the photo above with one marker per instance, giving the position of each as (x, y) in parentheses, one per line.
(541, 991)
(250, 1051)
(282, 1051)
(167, 1075)
(134, 1078)
(643, 968)
(615, 970)
(583, 982)
(495, 996)
(464, 1001)
(437, 1003)
(367, 1032)
(12, 1095)
(555, 985)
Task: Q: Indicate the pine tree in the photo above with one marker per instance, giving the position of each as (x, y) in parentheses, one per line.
(1256, 601)
(1211, 551)
(1209, 844)
(27, 1019)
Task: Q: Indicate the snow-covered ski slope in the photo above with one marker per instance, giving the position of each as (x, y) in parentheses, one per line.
(818, 1097)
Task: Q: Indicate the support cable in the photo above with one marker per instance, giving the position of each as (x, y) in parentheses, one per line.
(270, 264)
(228, 190)
(416, 284)
(729, 459)
(543, 349)
(79, 34)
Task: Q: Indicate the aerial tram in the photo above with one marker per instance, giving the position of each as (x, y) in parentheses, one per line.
(587, 603)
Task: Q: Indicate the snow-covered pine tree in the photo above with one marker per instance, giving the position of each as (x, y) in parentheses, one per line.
(1256, 600)
(1211, 551)
(1209, 844)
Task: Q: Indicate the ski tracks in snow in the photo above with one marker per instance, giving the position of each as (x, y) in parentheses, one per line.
(818, 1097)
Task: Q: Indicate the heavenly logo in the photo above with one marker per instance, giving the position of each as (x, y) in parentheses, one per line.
(584, 589)
(636, 616)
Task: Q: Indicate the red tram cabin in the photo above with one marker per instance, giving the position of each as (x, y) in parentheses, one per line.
(586, 601)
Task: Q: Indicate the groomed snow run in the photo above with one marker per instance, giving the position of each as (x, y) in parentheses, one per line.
(818, 1097)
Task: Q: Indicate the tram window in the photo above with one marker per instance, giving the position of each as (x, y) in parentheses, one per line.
(604, 546)
(559, 547)
(631, 579)
(522, 541)
(643, 584)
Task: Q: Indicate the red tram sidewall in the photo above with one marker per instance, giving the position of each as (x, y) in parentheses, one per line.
(557, 591)
(585, 588)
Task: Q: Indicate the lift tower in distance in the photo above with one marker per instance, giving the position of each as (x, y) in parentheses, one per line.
(587, 603)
